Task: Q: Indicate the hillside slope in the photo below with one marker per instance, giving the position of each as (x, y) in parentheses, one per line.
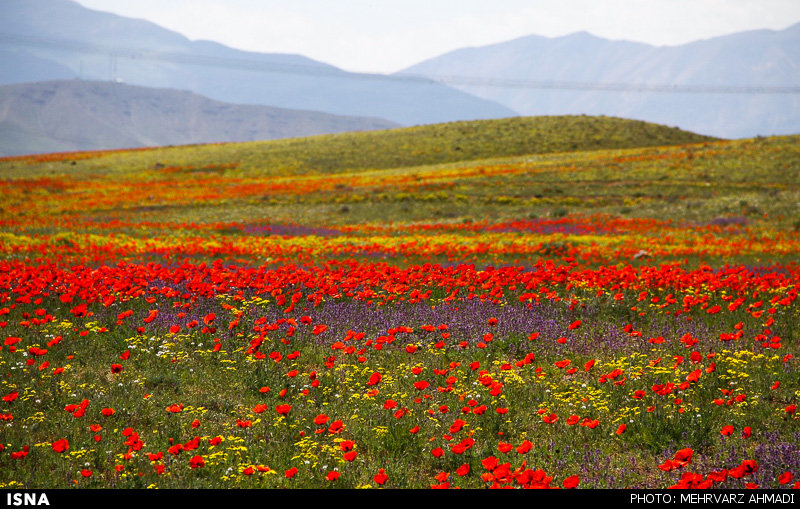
(82, 115)
(405, 147)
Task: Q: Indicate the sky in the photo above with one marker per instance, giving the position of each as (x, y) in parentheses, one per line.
(383, 36)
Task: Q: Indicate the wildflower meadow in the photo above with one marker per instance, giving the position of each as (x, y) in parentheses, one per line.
(596, 303)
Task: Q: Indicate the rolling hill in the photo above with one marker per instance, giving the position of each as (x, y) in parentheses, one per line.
(56, 39)
(409, 147)
(74, 115)
(515, 169)
(581, 73)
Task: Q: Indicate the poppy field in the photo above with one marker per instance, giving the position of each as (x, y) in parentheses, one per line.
(598, 303)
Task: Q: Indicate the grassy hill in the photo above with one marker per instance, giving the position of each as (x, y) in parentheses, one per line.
(400, 148)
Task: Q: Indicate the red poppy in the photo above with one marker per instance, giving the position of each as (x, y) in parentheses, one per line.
(463, 470)
(197, 462)
(457, 425)
(86, 472)
(350, 455)
(381, 477)
(785, 478)
(684, 455)
(320, 419)
(504, 447)
(489, 463)
(290, 473)
(621, 429)
(571, 482)
(550, 419)
(726, 431)
(152, 316)
(374, 379)
(479, 410)
(283, 409)
(525, 447)
(332, 475)
(116, 368)
(107, 412)
(61, 445)
(438, 452)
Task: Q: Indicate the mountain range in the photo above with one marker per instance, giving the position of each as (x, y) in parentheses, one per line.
(54, 54)
(734, 86)
(42, 40)
(63, 116)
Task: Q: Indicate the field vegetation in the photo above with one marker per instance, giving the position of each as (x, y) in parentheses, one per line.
(535, 302)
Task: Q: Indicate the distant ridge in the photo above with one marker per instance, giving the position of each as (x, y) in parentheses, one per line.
(569, 72)
(43, 40)
(75, 115)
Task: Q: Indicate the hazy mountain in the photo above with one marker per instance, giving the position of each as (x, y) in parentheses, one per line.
(753, 58)
(72, 115)
(40, 39)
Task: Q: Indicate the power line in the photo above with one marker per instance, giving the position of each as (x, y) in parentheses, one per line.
(325, 70)
(614, 87)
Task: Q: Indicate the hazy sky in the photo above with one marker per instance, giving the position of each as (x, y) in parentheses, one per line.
(389, 35)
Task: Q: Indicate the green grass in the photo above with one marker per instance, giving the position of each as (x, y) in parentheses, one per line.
(395, 148)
